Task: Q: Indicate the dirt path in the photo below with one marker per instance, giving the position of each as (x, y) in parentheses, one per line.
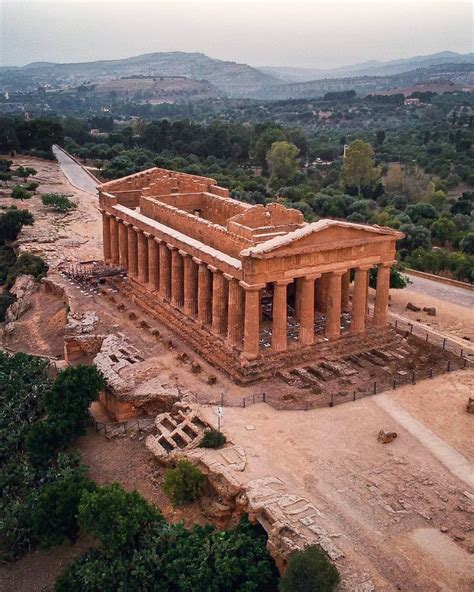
(377, 502)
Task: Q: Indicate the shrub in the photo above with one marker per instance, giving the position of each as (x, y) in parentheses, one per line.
(309, 571)
(11, 222)
(115, 516)
(6, 299)
(183, 484)
(33, 186)
(58, 202)
(45, 438)
(19, 192)
(212, 439)
(25, 172)
(28, 264)
(54, 514)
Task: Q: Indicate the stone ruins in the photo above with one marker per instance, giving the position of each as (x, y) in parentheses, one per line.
(250, 287)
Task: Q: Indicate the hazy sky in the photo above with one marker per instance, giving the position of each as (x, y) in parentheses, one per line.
(317, 33)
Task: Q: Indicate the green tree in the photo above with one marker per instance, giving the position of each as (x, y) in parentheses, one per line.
(116, 517)
(183, 484)
(54, 514)
(398, 280)
(11, 222)
(443, 230)
(25, 172)
(58, 202)
(212, 439)
(27, 264)
(309, 571)
(19, 192)
(358, 169)
(467, 243)
(282, 163)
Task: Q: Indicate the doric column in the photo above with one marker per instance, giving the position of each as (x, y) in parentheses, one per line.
(279, 310)
(219, 302)
(204, 293)
(123, 244)
(359, 300)
(176, 278)
(235, 312)
(345, 283)
(142, 255)
(321, 292)
(132, 251)
(307, 309)
(251, 349)
(333, 308)
(381, 294)
(190, 285)
(165, 271)
(106, 236)
(114, 242)
(153, 262)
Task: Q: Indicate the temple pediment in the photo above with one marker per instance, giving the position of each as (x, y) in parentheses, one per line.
(321, 235)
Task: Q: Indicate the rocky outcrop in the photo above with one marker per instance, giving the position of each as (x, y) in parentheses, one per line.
(24, 286)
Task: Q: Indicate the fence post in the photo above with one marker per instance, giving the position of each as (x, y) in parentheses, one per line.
(444, 343)
(375, 388)
(394, 383)
(413, 379)
(426, 339)
(411, 328)
(431, 372)
(465, 362)
(243, 402)
(354, 396)
(396, 323)
(449, 365)
(462, 352)
(331, 404)
(253, 400)
(264, 397)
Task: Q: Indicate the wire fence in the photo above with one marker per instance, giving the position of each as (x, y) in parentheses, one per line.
(117, 428)
(430, 337)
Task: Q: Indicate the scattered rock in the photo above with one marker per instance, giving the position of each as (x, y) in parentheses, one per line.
(413, 307)
(182, 356)
(196, 368)
(444, 529)
(459, 537)
(431, 310)
(386, 436)
(467, 338)
(470, 405)
(143, 325)
(211, 379)
(121, 306)
(112, 299)
(170, 344)
(132, 316)
(155, 332)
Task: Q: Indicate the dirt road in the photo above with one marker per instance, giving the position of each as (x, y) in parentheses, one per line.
(446, 292)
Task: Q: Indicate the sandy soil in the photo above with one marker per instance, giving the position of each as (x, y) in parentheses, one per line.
(386, 504)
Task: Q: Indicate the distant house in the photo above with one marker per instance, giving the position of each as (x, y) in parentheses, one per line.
(412, 102)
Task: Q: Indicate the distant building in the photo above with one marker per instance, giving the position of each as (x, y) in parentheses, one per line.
(412, 102)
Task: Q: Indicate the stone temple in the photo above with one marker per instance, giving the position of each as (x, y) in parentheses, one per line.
(252, 288)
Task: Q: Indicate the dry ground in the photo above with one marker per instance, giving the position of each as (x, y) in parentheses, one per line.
(397, 512)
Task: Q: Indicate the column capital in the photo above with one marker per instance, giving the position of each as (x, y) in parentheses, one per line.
(230, 278)
(387, 263)
(214, 269)
(158, 241)
(285, 282)
(183, 253)
(136, 229)
(363, 267)
(171, 247)
(311, 276)
(338, 272)
(252, 287)
(147, 234)
(198, 261)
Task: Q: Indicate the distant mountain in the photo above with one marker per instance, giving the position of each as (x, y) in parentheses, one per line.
(370, 68)
(439, 78)
(229, 77)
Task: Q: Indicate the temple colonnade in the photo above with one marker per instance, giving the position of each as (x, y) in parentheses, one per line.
(231, 308)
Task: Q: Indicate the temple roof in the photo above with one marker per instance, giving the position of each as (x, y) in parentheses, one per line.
(322, 233)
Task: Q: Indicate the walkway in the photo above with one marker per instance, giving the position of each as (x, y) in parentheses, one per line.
(75, 173)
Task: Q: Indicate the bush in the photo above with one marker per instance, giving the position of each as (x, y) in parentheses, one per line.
(45, 438)
(170, 558)
(27, 264)
(6, 299)
(54, 514)
(309, 571)
(58, 202)
(115, 516)
(11, 222)
(183, 484)
(19, 192)
(212, 439)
